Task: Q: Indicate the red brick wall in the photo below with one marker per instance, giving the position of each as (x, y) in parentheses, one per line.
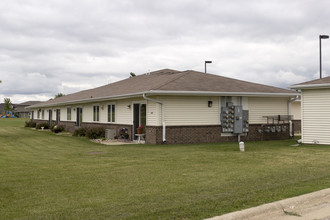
(210, 134)
(188, 134)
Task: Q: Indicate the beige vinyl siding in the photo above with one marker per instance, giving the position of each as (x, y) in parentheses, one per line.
(193, 110)
(103, 112)
(296, 110)
(63, 113)
(154, 113)
(35, 114)
(124, 115)
(316, 116)
(87, 112)
(46, 114)
(263, 106)
(53, 113)
(74, 113)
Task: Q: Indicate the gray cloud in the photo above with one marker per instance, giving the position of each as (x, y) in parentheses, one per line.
(48, 47)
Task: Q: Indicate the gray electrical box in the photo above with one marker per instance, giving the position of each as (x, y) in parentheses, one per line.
(234, 119)
(238, 115)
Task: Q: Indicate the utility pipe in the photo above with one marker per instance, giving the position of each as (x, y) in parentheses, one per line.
(163, 114)
(289, 113)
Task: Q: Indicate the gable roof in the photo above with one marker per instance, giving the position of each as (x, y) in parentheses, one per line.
(313, 84)
(29, 103)
(170, 82)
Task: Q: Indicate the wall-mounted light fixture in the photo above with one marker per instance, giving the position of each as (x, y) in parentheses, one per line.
(209, 104)
(74, 109)
(129, 106)
(102, 107)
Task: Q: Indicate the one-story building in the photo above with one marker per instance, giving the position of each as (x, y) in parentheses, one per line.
(177, 107)
(21, 111)
(315, 108)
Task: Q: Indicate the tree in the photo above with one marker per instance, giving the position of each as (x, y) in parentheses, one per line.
(8, 106)
(132, 74)
(59, 95)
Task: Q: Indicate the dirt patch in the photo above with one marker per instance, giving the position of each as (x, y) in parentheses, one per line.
(113, 141)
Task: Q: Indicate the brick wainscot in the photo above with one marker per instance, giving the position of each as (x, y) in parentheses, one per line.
(191, 134)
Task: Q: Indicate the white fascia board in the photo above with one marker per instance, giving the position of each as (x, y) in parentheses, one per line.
(81, 101)
(311, 86)
(204, 93)
(162, 92)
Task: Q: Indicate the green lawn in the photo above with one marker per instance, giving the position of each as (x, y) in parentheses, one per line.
(46, 176)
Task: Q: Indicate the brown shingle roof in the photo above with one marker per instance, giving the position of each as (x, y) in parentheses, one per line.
(29, 103)
(168, 80)
(315, 81)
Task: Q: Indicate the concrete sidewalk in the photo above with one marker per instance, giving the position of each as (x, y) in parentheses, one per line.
(310, 206)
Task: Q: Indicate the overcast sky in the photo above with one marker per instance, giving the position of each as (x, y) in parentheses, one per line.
(64, 46)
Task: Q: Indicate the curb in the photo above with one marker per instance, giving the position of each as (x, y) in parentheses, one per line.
(299, 205)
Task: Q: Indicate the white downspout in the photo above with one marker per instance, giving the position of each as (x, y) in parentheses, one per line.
(163, 114)
(289, 113)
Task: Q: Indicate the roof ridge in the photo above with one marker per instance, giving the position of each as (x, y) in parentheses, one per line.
(171, 80)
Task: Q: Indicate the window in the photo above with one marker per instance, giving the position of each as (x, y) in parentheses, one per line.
(43, 114)
(111, 113)
(38, 113)
(96, 113)
(68, 114)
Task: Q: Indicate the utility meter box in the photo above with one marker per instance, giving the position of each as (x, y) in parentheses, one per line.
(238, 124)
(234, 119)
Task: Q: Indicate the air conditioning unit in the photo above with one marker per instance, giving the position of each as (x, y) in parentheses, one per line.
(110, 133)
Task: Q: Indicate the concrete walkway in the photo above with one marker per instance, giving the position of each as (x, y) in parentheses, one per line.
(312, 206)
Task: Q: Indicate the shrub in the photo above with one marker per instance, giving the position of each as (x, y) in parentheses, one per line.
(57, 128)
(123, 133)
(30, 124)
(80, 132)
(44, 124)
(94, 133)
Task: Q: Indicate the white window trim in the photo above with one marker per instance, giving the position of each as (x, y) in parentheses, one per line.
(96, 105)
(70, 113)
(107, 118)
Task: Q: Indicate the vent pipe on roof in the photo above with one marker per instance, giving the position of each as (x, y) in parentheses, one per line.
(163, 114)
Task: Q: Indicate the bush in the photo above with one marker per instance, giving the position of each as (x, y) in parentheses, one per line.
(123, 133)
(57, 128)
(44, 124)
(80, 132)
(94, 133)
(30, 124)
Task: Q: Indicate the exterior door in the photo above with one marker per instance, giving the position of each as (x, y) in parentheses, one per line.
(79, 116)
(58, 116)
(139, 117)
(50, 119)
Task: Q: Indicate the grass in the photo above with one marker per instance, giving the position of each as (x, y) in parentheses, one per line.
(46, 176)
